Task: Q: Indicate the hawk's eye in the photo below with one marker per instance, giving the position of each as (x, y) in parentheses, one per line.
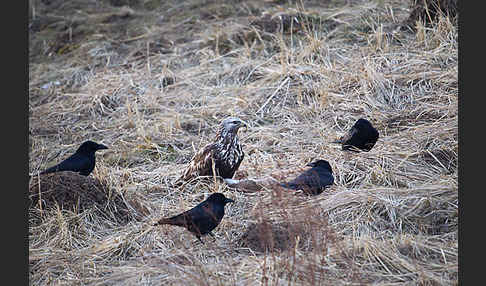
(235, 122)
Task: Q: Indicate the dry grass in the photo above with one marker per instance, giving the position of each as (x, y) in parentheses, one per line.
(153, 81)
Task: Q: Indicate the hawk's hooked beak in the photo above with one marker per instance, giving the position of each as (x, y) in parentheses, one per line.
(244, 124)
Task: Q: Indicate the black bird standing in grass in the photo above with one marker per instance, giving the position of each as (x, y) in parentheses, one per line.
(225, 152)
(314, 180)
(361, 137)
(201, 219)
(82, 161)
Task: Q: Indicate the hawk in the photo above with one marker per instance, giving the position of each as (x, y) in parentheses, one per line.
(223, 155)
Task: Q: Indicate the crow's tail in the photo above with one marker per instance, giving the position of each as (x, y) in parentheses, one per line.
(50, 170)
(163, 221)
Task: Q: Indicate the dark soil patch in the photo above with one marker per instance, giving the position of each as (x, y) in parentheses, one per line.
(428, 11)
(74, 192)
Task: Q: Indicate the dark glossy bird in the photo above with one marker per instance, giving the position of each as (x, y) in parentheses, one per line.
(82, 161)
(203, 218)
(314, 180)
(225, 153)
(361, 137)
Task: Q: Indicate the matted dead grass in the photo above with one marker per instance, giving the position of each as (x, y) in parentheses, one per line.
(153, 80)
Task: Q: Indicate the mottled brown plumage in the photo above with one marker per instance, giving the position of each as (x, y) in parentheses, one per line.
(224, 154)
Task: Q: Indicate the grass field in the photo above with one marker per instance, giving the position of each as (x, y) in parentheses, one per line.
(153, 79)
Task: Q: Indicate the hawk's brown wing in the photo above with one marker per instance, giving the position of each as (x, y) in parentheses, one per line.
(200, 165)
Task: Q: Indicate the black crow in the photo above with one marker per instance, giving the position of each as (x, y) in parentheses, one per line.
(82, 161)
(225, 152)
(203, 218)
(314, 180)
(361, 137)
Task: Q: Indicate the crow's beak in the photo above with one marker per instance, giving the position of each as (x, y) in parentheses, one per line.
(101, 146)
(228, 201)
(310, 164)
